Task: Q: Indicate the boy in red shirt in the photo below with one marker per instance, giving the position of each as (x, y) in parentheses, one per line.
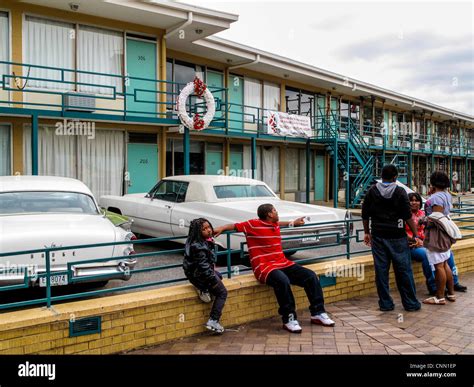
(271, 267)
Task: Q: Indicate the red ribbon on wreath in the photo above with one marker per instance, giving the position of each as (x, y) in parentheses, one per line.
(198, 122)
(199, 87)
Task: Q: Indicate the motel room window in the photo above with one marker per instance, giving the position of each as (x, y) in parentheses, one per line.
(49, 43)
(99, 163)
(271, 97)
(100, 51)
(252, 100)
(175, 158)
(292, 98)
(68, 46)
(291, 169)
(5, 150)
(268, 166)
(181, 73)
(4, 43)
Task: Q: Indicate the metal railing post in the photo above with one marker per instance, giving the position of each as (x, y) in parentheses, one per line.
(229, 257)
(48, 279)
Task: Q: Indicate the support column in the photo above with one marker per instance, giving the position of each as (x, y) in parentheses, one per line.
(253, 154)
(410, 168)
(347, 176)
(308, 169)
(336, 173)
(466, 175)
(451, 172)
(17, 52)
(162, 109)
(34, 144)
(186, 145)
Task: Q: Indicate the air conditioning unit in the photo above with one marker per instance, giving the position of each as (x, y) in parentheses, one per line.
(378, 141)
(79, 102)
(405, 144)
(367, 139)
(417, 146)
(427, 147)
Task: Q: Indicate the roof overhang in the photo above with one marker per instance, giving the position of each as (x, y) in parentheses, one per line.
(226, 51)
(152, 13)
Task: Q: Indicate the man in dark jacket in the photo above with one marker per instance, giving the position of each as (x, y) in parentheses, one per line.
(387, 207)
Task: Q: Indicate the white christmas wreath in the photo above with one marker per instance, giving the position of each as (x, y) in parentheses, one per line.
(199, 88)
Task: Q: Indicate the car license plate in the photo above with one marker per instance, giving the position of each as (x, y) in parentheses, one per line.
(309, 239)
(56, 280)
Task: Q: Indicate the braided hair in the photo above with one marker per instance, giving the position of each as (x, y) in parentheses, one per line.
(195, 230)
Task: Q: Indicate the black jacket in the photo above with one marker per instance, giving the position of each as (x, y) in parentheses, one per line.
(198, 263)
(388, 208)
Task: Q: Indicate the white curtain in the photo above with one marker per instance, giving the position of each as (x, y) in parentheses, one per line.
(253, 98)
(48, 43)
(56, 153)
(101, 162)
(271, 97)
(100, 51)
(5, 150)
(302, 185)
(98, 162)
(291, 169)
(247, 161)
(271, 167)
(4, 43)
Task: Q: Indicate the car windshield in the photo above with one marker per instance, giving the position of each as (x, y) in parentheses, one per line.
(46, 202)
(242, 191)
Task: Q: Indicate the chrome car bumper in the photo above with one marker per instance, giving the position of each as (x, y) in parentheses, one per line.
(121, 271)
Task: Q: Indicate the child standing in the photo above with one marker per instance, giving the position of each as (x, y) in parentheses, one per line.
(440, 201)
(198, 265)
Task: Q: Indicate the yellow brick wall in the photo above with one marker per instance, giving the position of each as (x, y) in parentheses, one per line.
(151, 317)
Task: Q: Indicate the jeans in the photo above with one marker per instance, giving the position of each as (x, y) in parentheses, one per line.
(219, 291)
(419, 255)
(281, 279)
(386, 251)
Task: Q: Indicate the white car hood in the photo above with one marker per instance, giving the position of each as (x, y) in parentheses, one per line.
(243, 210)
(36, 231)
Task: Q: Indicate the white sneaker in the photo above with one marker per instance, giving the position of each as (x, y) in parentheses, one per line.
(204, 296)
(322, 319)
(292, 326)
(214, 326)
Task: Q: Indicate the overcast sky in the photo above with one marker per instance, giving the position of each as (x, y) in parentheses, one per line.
(423, 49)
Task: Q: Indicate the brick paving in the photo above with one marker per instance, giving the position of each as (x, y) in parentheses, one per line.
(360, 329)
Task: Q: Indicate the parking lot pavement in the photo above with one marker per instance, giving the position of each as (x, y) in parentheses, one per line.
(360, 329)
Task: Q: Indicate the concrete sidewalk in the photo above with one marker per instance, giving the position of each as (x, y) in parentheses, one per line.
(360, 329)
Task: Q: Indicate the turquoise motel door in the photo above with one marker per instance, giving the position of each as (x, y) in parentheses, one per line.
(236, 101)
(319, 177)
(141, 63)
(142, 164)
(236, 163)
(213, 162)
(215, 80)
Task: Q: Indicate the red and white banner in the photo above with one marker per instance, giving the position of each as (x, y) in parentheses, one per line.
(291, 125)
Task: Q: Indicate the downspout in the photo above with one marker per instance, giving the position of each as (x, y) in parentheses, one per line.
(181, 26)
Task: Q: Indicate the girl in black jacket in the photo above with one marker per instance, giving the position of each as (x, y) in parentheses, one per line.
(198, 265)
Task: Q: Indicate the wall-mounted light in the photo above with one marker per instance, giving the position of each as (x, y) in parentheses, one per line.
(198, 31)
(74, 6)
(286, 75)
(229, 60)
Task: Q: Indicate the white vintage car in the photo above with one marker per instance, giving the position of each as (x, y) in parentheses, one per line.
(174, 201)
(48, 211)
